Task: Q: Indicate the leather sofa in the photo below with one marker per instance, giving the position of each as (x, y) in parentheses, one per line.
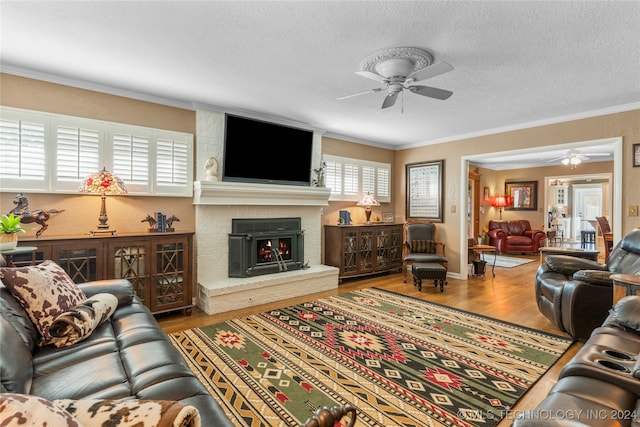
(126, 357)
(600, 385)
(575, 294)
(515, 236)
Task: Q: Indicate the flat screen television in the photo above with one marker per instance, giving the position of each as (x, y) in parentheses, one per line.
(263, 152)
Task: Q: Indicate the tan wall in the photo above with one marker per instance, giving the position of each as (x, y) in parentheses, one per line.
(81, 211)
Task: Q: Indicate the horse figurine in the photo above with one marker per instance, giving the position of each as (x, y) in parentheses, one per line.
(170, 221)
(151, 220)
(40, 217)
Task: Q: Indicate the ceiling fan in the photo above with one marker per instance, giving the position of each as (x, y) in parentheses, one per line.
(397, 69)
(575, 157)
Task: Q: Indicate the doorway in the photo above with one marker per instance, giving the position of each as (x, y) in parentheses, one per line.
(612, 197)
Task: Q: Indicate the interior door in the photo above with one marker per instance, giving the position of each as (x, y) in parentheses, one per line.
(473, 205)
(587, 205)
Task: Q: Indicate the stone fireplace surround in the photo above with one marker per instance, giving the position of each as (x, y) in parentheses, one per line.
(217, 203)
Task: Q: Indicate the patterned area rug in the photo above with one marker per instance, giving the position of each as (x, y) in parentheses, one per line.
(399, 360)
(506, 261)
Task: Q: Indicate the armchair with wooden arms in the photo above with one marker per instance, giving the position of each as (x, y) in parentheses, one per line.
(420, 245)
(607, 235)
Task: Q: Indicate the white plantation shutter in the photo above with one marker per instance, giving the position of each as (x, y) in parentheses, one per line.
(131, 160)
(52, 152)
(173, 163)
(350, 179)
(383, 183)
(368, 180)
(23, 155)
(77, 153)
(333, 176)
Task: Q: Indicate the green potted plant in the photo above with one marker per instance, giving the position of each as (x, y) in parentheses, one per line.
(10, 226)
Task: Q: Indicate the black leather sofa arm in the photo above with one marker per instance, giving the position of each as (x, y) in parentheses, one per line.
(121, 288)
(595, 277)
(568, 265)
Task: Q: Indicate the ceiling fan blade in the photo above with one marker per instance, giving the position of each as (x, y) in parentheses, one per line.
(555, 159)
(372, 76)
(378, 89)
(596, 154)
(430, 71)
(431, 92)
(390, 100)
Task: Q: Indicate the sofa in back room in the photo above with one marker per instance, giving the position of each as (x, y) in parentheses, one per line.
(127, 356)
(515, 236)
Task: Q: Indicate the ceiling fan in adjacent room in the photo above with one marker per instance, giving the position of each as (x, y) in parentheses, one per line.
(575, 157)
(397, 69)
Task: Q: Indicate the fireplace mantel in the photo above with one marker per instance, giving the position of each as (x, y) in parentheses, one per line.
(240, 193)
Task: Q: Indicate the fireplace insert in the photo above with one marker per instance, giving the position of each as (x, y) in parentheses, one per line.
(264, 246)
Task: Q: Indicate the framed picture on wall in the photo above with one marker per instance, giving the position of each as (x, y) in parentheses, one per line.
(636, 155)
(425, 187)
(486, 195)
(523, 194)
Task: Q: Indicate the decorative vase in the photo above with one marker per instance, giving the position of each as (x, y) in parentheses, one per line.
(8, 241)
(480, 240)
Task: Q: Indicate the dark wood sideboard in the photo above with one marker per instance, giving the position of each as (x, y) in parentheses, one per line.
(359, 250)
(160, 265)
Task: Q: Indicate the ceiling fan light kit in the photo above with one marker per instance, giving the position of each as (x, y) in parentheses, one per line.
(574, 157)
(398, 68)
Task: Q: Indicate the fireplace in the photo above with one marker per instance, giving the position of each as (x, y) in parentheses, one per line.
(264, 246)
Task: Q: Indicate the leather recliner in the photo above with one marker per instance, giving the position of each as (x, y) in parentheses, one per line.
(575, 294)
(515, 236)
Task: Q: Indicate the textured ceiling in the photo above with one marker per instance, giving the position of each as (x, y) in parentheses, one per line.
(516, 63)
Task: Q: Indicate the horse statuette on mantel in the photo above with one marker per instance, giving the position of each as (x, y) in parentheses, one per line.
(40, 216)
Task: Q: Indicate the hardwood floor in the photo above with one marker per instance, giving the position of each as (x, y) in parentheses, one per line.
(508, 297)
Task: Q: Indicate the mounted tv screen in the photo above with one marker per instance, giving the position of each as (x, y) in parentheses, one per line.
(262, 152)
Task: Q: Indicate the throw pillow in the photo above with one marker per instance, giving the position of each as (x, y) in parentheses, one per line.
(78, 323)
(44, 291)
(132, 412)
(627, 312)
(422, 246)
(26, 410)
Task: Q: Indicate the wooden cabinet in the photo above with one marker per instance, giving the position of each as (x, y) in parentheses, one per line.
(358, 250)
(561, 195)
(158, 265)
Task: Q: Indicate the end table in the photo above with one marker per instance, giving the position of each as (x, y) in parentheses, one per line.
(625, 284)
(9, 253)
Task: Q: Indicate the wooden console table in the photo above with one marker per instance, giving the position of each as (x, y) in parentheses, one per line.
(625, 284)
(358, 250)
(159, 265)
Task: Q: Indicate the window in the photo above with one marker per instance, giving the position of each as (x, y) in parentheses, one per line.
(350, 179)
(53, 153)
(22, 151)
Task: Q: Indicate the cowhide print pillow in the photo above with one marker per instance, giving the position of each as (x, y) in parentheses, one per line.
(25, 410)
(132, 413)
(44, 291)
(79, 322)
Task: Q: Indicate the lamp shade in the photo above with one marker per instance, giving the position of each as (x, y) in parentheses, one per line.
(103, 182)
(500, 201)
(368, 200)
